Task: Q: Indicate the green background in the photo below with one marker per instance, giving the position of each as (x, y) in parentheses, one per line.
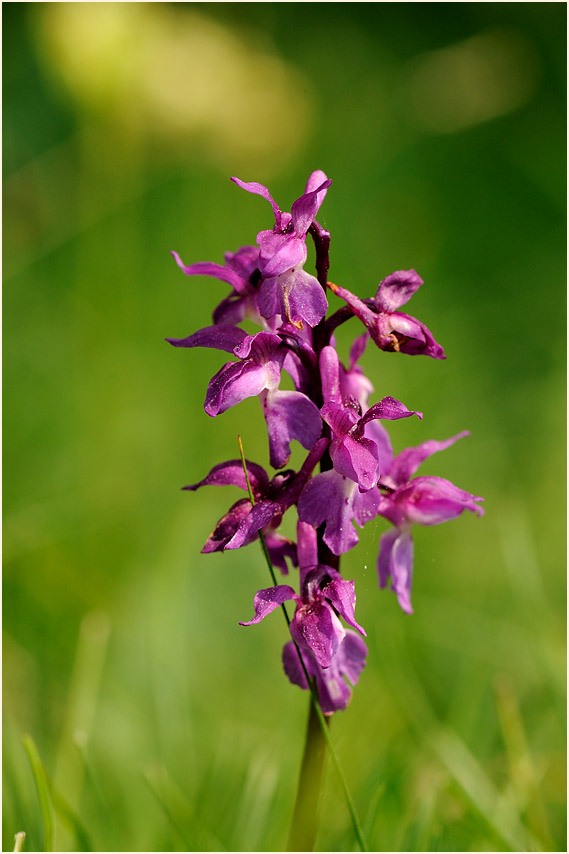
(160, 722)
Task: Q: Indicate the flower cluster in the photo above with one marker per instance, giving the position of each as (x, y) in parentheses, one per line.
(330, 414)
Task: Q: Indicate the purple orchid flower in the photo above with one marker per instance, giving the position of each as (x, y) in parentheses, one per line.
(422, 501)
(315, 625)
(243, 521)
(286, 289)
(289, 414)
(392, 329)
(354, 455)
(334, 693)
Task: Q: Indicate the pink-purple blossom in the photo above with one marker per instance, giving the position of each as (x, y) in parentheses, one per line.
(286, 289)
(390, 328)
(406, 501)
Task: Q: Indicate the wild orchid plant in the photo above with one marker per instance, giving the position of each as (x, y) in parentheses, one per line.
(330, 415)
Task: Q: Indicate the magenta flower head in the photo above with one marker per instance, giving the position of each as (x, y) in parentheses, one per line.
(347, 474)
(389, 328)
(286, 289)
(321, 647)
(421, 501)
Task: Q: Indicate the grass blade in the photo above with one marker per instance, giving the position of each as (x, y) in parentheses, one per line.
(40, 779)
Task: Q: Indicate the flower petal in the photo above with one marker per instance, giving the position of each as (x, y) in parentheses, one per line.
(433, 500)
(227, 526)
(219, 337)
(342, 595)
(232, 384)
(306, 207)
(329, 499)
(316, 627)
(315, 180)
(333, 692)
(289, 415)
(357, 459)
(307, 546)
(375, 431)
(414, 338)
(231, 474)
(205, 268)
(261, 514)
(396, 560)
(395, 290)
(330, 374)
(280, 548)
(260, 190)
(389, 409)
(267, 600)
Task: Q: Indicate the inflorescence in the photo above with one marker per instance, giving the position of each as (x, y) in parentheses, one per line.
(330, 415)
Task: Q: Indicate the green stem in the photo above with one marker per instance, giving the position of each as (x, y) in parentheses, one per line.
(305, 819)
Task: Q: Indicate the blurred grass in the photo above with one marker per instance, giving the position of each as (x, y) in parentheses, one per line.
(163, 724)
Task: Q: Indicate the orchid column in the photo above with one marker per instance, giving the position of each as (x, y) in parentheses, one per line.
(350, 474)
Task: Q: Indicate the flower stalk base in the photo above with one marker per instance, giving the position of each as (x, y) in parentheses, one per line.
(305, 819)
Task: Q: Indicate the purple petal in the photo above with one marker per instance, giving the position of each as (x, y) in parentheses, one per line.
(432, 500)
(340, 418)
(244, 262)
(261, 514)
(280, 548)
(262, 347)
(218, 337)
(356, 459)
(296, 295)
(231, 474)
(329, 499)
(351, 656)
(307, 545)
(316, 627)
(205, 268)
(306, 207)
(292, 666)
(366, 505)
(342, 595)
(408, 461)
(305, 295)
(267, 600)
(375, 431)
(387, 408)
(333, 692)
(233, 310)
(384, 557)
(357, 349)
(315, 181)
(289, 415)
(396, 561)
(227, 526)
(260, 190)
(235, 382)
(280, 252)
(415, 338)
(395, 290)
(330, 373)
